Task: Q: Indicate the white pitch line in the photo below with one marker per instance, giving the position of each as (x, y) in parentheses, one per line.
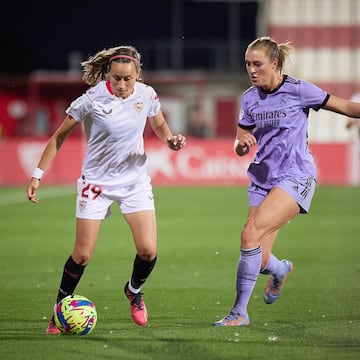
(44, 193)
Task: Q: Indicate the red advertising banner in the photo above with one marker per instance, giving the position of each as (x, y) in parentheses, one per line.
(207, 162)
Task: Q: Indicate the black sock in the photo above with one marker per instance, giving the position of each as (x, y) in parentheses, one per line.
(141, 271)
(71, 276)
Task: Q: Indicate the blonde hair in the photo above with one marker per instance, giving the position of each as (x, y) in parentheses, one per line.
(95, 69)
(273, 50)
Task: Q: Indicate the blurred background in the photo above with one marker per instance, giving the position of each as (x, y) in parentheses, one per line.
(193, 55)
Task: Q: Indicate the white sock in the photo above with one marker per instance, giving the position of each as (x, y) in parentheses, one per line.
(132, 289)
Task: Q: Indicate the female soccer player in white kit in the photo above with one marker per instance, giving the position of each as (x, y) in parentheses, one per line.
(114, 112)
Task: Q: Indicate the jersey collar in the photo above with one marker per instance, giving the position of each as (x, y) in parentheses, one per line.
(109, 87)
(110, 90)
(277, 88)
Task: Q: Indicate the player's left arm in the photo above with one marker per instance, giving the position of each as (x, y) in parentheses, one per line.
(163, 132)
(343, 106)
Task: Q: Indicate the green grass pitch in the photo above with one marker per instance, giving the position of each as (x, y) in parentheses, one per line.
(317, 316)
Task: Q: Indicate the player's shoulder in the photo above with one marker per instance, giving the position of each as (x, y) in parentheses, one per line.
(145, 92)
(145, 88)
(98, 92)
(292, 80)
(250, 91)
(293, 85)
(98, 89)
(86, 99)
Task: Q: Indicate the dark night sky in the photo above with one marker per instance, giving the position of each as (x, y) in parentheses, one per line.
(37, 36)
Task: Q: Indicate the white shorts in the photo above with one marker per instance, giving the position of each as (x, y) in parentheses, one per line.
(93, 202)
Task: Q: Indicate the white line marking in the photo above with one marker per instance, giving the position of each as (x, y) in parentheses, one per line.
(43, 193)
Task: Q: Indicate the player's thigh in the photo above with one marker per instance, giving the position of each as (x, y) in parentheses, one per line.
(277, 208)
(143, 227)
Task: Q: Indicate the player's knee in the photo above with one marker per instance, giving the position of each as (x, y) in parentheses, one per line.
(81, 259)
(249, 237)
(147, 254)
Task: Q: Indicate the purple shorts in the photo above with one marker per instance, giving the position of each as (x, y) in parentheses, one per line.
(301, 190)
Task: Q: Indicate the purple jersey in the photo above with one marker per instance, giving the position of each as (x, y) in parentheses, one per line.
(280, 122)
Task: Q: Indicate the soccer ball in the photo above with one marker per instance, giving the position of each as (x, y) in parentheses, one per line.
(75, 314)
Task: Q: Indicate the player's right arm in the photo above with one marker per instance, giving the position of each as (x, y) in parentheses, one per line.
(244, 141)
(50, 151)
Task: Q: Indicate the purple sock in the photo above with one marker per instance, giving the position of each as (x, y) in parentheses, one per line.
(274, 267)
(247, 273)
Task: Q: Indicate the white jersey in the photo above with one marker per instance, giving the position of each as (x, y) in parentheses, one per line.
(114, 130)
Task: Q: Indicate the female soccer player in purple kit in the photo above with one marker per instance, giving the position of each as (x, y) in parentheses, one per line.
(274, 115)
(114, 111)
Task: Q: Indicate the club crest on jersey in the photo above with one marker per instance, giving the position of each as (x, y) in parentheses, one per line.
(138, 106)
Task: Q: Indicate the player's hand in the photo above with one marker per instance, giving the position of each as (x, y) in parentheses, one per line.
(31, 190)
(247, 140)
(176, 142)
(244, 143)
